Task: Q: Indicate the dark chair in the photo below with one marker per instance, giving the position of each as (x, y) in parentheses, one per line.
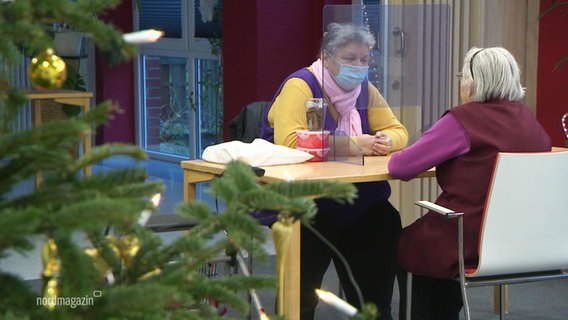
(247, 124)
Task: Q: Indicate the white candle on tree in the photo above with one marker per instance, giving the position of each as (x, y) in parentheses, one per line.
(143, 36)
(336, 302)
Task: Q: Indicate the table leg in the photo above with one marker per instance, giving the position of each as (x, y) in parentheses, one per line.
(292, 276)
(189, 188)
(191, 179)
(497, 300)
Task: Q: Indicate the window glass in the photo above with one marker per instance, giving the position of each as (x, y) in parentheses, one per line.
(180, 79)
(167, 105)
(210, 101)
(208, 20)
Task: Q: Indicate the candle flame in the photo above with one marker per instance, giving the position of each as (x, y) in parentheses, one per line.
(145, 214)
(263, 315)
(156, 199)
(322, 294)
(336, 302)
(143, 36)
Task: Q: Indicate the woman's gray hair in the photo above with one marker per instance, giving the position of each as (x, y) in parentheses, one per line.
(493, 73)
(339, 35)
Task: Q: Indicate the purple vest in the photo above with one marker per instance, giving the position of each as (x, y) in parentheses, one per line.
(369, 193)
(267, 132)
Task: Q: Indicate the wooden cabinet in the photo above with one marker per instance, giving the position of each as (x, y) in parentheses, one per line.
(78, 98)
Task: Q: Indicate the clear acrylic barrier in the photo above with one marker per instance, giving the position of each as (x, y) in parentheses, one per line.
(409, 64)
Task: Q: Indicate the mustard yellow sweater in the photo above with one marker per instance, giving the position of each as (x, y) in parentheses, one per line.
(288, 114)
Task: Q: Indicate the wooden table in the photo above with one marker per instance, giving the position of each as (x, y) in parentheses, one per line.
(374, 169)
(77, 98)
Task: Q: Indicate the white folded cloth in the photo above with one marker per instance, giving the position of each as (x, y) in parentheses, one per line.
(257, 153)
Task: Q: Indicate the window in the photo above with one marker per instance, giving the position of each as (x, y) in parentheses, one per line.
(180, 79)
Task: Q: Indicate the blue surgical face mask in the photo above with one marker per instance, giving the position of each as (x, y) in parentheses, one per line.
(349, 77)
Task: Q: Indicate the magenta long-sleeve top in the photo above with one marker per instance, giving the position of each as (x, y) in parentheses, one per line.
(446, 139)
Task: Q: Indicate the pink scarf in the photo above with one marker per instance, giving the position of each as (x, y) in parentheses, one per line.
(343, 101)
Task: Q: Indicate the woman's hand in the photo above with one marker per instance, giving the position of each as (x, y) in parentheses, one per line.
(382, 144)
(378, 145)
(366, 143)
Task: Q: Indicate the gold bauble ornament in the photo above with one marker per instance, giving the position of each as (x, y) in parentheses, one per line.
(47, 71)
(282, 237)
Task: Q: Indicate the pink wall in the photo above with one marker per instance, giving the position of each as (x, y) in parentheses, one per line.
(116, 83)
(263, 42)
(552, 86)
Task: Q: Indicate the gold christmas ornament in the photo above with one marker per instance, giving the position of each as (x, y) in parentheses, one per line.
(50, 259)
(51, 266)
(126, 247)
(47, 71)
(282, 236)
(51, 293)
(100, 264)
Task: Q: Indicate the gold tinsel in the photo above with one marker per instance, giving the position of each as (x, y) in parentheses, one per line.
(125, 247)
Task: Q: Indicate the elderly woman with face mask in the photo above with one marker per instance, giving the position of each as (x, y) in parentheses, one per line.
(463, 146)
(365, 232)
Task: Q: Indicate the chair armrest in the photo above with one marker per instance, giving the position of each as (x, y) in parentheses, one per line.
(437, 208)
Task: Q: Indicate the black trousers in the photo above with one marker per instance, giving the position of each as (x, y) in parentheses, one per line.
(369, 247)
(432, 298)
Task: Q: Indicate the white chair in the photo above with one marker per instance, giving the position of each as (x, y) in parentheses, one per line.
(523, 235)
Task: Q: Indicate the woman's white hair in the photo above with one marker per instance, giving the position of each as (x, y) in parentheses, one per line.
(493, 73)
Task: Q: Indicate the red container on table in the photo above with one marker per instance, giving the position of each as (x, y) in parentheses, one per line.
(320, 154)
(313, 139)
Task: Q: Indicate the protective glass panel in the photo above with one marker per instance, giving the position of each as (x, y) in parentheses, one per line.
(409, 65)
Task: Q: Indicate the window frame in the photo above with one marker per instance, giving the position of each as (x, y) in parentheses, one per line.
(188, 47)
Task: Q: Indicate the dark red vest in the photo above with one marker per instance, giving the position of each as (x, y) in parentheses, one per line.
(429, 246)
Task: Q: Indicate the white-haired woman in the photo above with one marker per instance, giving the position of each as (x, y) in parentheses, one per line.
(463, 146)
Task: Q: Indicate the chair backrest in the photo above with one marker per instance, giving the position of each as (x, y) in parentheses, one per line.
(247, 124)
(525, 225)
